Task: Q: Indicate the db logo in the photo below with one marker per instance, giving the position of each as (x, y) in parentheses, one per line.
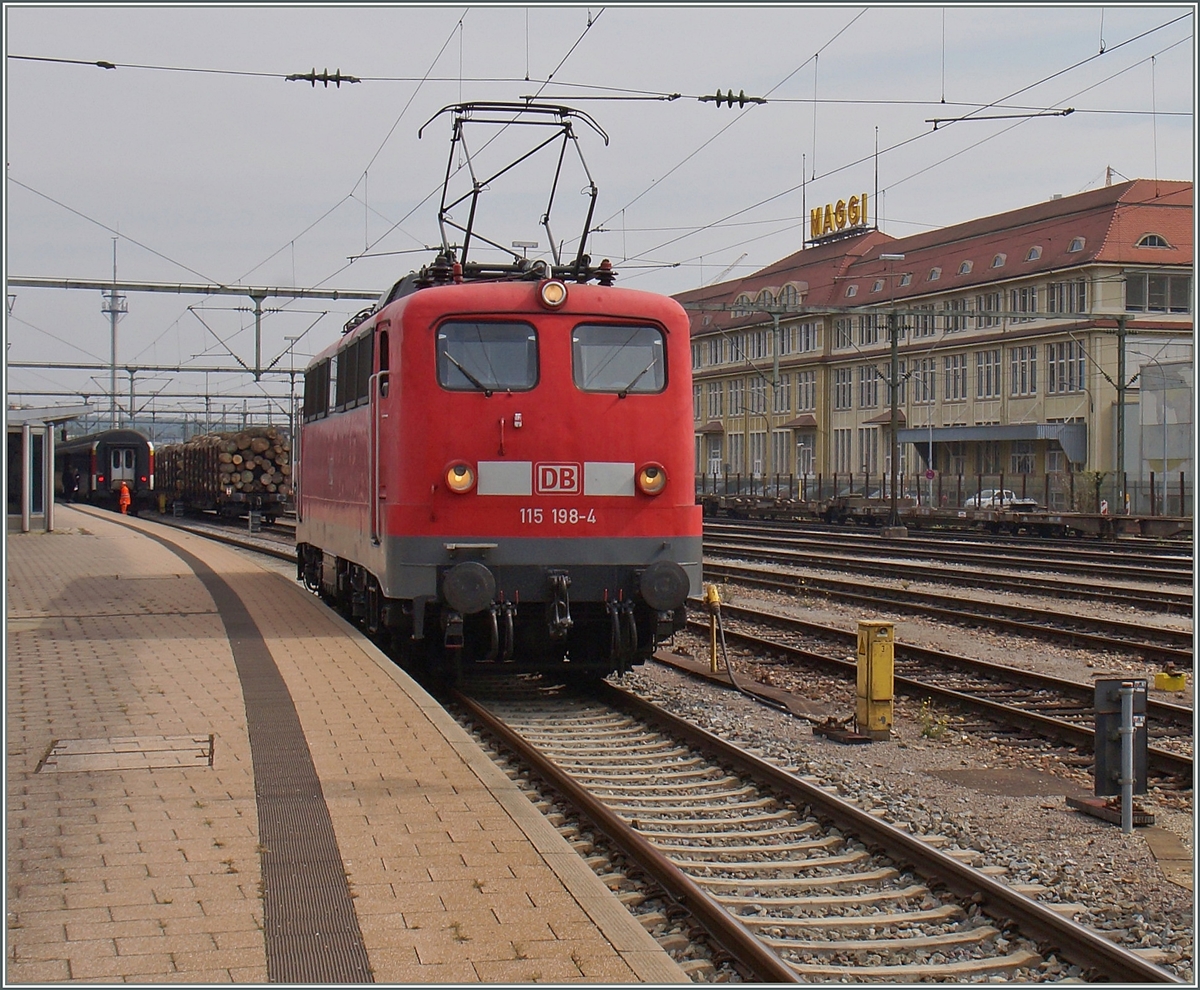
(557, 479)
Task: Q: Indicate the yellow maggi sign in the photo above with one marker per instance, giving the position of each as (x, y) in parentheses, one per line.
(837, 216)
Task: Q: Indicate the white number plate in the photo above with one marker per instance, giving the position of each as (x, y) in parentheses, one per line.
(558, 517)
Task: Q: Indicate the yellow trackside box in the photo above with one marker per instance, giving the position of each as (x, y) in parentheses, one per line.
(876, 659)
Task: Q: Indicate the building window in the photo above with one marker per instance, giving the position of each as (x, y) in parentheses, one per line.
(697, 401)
(781, 452)
(1034, 253)
(716, 400)
(877, 286)
(999, 260)
(924, 380)
(756, 344)
(1154, 241)
(806, 391)
(1065, 367)
(781, 401)
(765, 299)
(906, 278)
(742, 306)
(851, 290)
(807, 337)
(1023, 301)
(868, 449)
(1021, 457)
(868, 387)
(989, 457)
(1022, 370)
(923, 321)
(868, 329)
(843, 388)
(785, 340)
(1161, 293)
(1056, 461)
(714, 453)
(789, 295)
(842, 451)
(758, 452)
(987, 309)
(955, 322)
(737, 453)
(1067, 297)
(965, 268)
(697, 350)
(737, 347)
(842, 334)
(716, 350)
(737, 394)
(987, 374)
(757, 395)
(902, 384)
(1076, 244)
(934, 274)
(956, 376)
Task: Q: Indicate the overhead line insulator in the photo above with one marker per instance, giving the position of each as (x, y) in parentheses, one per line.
(323, 77)
(741, 99)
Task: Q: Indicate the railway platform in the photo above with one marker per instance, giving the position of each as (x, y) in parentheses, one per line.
(211, 777)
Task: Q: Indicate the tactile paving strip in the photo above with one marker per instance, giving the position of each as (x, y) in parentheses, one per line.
(311, 929)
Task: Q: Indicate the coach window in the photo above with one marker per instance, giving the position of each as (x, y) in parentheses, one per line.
(619, 359)
(366, 360)
(316, 391)
(487, 357)
(383, 363)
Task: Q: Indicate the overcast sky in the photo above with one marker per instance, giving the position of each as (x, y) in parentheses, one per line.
(229, 173)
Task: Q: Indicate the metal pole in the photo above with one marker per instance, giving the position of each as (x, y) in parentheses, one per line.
(26, 475)
(257, 335)
(1121, 410)
(894, 381)
(48, 479)
(1126, 731)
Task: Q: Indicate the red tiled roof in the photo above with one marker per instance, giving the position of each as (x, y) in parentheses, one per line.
(1110, 221)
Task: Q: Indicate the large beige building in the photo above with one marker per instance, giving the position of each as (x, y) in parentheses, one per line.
(1008, 357)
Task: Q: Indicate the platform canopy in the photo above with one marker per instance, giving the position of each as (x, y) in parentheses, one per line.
(1072, 437)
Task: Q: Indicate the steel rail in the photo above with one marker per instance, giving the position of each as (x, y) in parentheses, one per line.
(908, 600)
(1073, 940)
(1183, 715)
(1160, 760)
(764, 963)
(1082, 561)
(766, 550)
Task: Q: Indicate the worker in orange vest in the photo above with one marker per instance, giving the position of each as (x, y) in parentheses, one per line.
(124, 498)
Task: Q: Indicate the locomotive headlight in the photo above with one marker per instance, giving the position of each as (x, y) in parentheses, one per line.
(652, 479)
(553, 293)
(460, 478)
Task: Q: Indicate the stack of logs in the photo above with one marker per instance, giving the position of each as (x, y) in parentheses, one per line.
(256, 461)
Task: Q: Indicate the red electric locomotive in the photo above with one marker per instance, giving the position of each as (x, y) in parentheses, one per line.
(499, 471)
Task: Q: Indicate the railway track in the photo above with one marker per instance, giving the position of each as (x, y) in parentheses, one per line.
(1120, 560)
(889, 566)
(1009, 697)
(1169, 646)
(794, 883)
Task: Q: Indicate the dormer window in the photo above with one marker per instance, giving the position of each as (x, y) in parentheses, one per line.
(878, 285)
(789, 295)
(906, 278)
(852, 290)
(965, 268)
(765, 298)
(934, 274)
(1035, 252)
(998, 261)
(1076, 244)
(1153, 241)
(742, 305)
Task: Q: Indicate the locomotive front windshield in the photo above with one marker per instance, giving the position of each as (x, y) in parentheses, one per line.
(618, 359)
(487, 357)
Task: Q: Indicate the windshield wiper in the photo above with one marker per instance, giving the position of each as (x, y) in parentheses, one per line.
(469, 377)
(637, 378)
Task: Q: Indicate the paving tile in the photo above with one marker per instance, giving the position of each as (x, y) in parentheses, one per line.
(125, 643)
